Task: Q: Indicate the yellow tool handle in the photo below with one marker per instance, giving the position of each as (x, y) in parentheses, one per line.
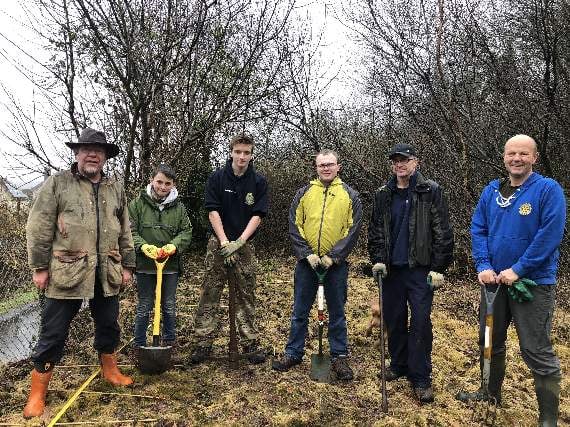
(158, 295)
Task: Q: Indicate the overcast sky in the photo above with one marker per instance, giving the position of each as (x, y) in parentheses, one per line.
(16, 38)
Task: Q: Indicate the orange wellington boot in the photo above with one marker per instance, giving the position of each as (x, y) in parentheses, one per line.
(37, 399)
(111, 372)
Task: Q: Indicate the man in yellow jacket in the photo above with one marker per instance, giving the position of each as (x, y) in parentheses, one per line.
(324, 222)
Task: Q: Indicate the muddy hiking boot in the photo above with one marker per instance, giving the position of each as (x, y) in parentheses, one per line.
(340, 368)
(424, 394)
(390, 374)
(547, 390)
(259, 355)
(496, 377)
(286, 363)
(200, 353)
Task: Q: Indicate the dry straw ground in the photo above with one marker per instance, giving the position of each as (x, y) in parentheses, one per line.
(212, 394)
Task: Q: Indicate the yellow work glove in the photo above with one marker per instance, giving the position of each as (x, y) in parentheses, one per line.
(231, 247)
(379, 270)
(435, 280)
(169, 249)
(326, 262)
(313, 261)
(149, 250)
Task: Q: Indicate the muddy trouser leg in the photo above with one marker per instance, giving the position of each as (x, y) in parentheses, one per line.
(244, 282)
(56, 318)
(207, 315)
(533, 322)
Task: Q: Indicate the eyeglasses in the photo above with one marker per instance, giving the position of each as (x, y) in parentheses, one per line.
(403, 161)
(326, 165)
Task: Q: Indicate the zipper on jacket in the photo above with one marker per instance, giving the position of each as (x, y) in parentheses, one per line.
(322, 219)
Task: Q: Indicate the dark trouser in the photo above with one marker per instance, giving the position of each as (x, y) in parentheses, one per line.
(56, 318)
(533, 322)
(306, 285)
(410, 348)
(146, 286)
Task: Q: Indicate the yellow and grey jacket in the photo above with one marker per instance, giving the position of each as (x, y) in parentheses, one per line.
(325, 220)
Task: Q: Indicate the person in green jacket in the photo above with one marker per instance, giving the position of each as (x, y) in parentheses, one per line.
(159, 222)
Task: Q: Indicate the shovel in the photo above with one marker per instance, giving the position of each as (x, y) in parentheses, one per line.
(320, 364)
(156, 359)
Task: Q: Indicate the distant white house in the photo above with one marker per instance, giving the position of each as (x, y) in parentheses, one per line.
(12, 197)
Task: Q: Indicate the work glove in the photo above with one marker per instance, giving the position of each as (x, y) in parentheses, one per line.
(520, 291)
(149, 250)
(314, 261)
(326, 262)
(379, 269)
(435, 280)
(231, 247)
(169, 249)
(231, 260)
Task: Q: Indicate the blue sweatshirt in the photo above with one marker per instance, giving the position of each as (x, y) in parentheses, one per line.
(524, 236)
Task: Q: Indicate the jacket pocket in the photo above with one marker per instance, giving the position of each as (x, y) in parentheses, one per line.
(68, 269)
(114, 269)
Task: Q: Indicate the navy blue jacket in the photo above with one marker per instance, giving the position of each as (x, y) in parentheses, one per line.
(235, 198)
(524, 236)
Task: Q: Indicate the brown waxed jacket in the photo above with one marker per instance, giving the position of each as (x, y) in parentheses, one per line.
(61, 235)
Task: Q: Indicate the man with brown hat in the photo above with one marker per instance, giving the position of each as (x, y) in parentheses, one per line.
(79, 246)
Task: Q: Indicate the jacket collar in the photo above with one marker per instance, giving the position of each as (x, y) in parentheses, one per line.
(318, 183)
(418, 183)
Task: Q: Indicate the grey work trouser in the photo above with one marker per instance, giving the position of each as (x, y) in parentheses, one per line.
(533, 323)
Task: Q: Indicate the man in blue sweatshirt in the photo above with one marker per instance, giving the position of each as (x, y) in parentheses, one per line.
(516, 231)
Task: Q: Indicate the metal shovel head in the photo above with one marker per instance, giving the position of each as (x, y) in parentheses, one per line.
(320, 368)
(154, 360)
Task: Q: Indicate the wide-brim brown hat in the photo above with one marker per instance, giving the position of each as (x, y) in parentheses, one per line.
(95, 137)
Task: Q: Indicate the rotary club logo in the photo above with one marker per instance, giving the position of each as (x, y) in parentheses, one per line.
(525, 209)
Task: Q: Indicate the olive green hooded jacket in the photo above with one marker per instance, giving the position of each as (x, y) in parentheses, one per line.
(155, 226)
(71, 231)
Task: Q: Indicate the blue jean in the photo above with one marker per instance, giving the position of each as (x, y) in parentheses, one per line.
(306, 284)
(146, 284)
(410, 347)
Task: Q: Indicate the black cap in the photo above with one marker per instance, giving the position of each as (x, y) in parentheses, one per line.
(92, 136)
(405, 150)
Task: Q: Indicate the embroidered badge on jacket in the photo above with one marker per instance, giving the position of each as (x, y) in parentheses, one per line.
(249, 200)
(525, 209)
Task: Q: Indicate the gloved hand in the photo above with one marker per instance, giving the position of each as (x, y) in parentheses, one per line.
(326, 262)
(379, 269)
(231, 247)
(149, 250)
(314, 261)
(231, 260)
(169, 249)
(520, 291)
(435, 280)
